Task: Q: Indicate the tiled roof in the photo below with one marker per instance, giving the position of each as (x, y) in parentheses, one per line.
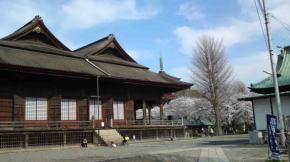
(33, 46)
(283, 73)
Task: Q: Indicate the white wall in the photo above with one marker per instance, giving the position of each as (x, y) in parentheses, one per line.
(262, 107)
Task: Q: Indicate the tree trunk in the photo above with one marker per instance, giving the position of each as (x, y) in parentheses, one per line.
(218, 128)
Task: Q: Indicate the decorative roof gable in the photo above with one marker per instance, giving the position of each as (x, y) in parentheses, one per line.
(36, 32)
(105, 47)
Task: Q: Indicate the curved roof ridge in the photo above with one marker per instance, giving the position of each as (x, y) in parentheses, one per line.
(79, 50)
(283, 73)
(31, 26)
(100, 45)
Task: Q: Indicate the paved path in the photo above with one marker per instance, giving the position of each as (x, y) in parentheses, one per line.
(215, 154)
(216, 149)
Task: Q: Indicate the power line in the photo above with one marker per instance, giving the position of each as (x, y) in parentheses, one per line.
(261, 6)
(286, 26)
(283, 24)
(262, 29)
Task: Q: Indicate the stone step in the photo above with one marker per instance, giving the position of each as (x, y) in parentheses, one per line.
(110, 135)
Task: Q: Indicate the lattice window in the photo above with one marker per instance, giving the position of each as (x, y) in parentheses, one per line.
(95, 110)
(68, 109)
(35, 108)
(118, 108)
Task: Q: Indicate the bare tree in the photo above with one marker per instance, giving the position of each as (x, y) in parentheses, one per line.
(211, 73)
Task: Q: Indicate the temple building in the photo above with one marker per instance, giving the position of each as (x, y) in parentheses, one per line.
(264, 102)
(48, 91)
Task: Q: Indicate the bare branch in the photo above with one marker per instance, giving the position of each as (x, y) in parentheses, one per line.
(211, 73)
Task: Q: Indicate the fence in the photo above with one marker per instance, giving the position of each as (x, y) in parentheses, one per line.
(8, 141)
(142, 134)
(49, 133)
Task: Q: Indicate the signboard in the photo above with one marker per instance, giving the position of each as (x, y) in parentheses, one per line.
(271, 128)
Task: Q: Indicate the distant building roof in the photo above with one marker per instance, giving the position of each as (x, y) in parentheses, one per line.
(199, 122)
(263, 96)
(283, 73)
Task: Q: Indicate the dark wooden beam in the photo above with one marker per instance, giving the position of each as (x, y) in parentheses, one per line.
(161, 111)
(144, 110)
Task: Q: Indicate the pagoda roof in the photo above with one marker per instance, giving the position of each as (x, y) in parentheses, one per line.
(33, 48)
(283, 75)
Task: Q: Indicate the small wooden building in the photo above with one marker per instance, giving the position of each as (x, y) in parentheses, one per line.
(45, 85)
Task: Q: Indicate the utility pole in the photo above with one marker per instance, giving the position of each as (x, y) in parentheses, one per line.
(274, 73)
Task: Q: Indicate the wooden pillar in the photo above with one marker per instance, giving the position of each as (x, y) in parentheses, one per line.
(157, 135)
(64, 138)
(149, 113)
(184, 132)
(144, 111)
(134, 113)
(141, 134)
(26, 140)
(174, 133)
(161, 111)
(93, 122)
(95, 136)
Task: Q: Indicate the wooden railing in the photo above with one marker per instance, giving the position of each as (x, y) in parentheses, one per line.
(155, 122)
(13, 125)
(44, 124)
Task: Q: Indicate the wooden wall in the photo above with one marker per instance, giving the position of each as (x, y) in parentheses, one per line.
(6, 108)
(16, 86)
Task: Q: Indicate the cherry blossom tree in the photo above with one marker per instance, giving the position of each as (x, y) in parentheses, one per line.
(234, 113)
(237, 113)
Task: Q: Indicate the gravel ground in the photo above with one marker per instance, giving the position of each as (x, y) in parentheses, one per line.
(236, 148)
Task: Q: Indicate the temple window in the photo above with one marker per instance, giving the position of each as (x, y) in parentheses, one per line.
(95, 109)
(118, 108)
(68, 109)
(35, 108)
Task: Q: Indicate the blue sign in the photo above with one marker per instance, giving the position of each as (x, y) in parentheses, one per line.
(271, 128)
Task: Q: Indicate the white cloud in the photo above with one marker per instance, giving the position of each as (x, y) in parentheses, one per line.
(135, 54)
(249, 66)
(182, 72)
(89, 13)
(236, 31)
(190, 11)
(16, 13)
(278, 8)
(249, 69)
(72, 14)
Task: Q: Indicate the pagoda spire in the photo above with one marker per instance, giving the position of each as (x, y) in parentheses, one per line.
(161, 63)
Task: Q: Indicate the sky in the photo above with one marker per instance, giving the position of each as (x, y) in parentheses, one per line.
(147, 28)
